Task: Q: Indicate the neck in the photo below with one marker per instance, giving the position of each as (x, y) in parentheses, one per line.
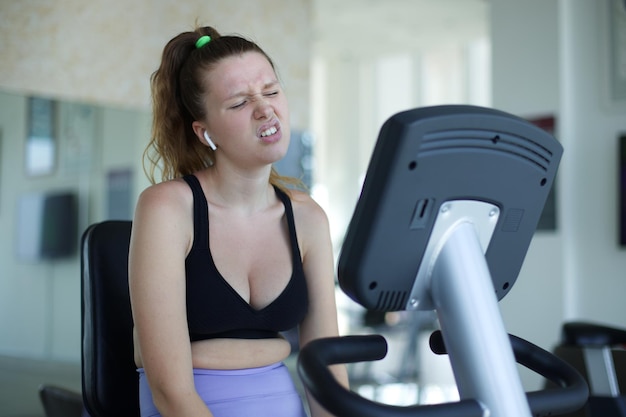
(247, 192)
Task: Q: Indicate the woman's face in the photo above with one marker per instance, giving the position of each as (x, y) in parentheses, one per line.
(247, 111)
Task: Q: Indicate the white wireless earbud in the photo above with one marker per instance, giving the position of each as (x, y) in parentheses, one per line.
(209, 141)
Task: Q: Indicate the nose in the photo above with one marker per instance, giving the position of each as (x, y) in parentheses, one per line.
(263, 109)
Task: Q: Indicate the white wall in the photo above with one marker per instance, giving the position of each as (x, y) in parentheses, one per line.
(548, 58)
(595, 267)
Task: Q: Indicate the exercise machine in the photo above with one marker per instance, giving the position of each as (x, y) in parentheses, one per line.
(598, 352)
(448, 208)
(449, 205)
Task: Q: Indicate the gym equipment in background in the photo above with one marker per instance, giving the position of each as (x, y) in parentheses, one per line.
(598, 352)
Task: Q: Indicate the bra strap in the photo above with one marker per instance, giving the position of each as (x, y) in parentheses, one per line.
(295, 248)
(200, 212)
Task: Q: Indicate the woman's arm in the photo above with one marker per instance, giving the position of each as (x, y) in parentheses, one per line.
(162, 233)
(318, 263)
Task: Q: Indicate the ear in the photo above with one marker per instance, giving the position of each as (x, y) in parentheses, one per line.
(199, 128)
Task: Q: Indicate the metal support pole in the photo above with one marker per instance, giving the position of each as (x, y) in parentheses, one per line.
(471, 323)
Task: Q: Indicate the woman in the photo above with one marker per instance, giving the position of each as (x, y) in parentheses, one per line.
(223, 256)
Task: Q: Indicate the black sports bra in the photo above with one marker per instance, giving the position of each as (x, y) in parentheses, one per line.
(214, 308)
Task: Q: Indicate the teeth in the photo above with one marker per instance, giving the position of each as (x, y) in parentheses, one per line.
(269, 131)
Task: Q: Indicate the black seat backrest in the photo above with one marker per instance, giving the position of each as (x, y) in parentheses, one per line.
(109, 376)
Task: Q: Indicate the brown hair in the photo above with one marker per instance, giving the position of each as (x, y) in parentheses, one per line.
(177, 101)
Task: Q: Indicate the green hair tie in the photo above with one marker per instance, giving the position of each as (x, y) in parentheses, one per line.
(202, 41)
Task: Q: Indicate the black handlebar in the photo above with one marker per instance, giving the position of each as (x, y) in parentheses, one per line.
(313, 369)
(581, 333)
(574, 390)
(315, 358)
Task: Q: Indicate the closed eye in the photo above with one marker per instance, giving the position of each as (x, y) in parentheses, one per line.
(238, 105)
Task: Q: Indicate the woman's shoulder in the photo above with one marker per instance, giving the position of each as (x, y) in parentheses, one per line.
(163, 222)
(307, 212)
(167, 196)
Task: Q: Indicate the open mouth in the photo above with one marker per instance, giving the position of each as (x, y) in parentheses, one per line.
(269, 129)
(269, 132)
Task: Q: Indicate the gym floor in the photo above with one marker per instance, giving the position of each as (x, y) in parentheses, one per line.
(20, 380)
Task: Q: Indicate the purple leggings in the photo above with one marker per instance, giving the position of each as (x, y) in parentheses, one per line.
(260, 392)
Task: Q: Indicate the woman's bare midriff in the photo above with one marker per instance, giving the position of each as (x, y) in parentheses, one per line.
(234, 353)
